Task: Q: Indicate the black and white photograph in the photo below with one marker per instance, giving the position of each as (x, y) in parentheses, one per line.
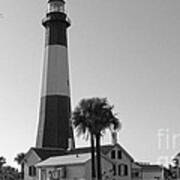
(90, 90)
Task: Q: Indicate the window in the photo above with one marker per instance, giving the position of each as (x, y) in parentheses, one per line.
(135, 174)
(122, 170)
(119, 154)
(32, 171)
(119, 170)
(43, 174)
(125, 170)
(113, 154)
(55, 6)
(114, 170)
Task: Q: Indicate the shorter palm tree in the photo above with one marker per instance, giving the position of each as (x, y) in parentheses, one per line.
(19, 159)
(81, 118)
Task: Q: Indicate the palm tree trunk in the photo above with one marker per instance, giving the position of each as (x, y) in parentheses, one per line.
(98, 155)
(22, 171)
(93, 157)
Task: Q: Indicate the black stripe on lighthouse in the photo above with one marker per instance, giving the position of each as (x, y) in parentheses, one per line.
(54, 126)
(56, 29)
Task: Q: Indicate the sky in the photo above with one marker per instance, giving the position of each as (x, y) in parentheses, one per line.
(125, 50)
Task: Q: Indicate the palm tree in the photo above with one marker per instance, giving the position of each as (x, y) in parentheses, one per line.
(83, 126)
(93, 116)
(19, 159)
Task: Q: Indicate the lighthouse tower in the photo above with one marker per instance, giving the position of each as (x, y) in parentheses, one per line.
(54, 129)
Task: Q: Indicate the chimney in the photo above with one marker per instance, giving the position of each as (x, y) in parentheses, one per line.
(114, 137)
(70, 144)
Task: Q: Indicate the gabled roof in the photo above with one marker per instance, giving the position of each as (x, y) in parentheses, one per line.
(45, 153)
(135, 165)
(127, 154)
(177, 155)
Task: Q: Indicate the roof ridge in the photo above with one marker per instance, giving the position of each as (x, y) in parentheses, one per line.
(52, 149)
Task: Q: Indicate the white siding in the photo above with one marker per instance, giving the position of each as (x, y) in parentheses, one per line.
(79, 171)
(31, 161)
(106, 169)
(56, 72)
(152, 175)
(125, 160)
(72, 172)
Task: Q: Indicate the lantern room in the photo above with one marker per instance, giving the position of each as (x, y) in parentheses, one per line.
(56, 6)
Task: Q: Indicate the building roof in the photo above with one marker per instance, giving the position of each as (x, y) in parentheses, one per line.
(45, 153)
(65, 160)
(69, 159)
(151, 167)
(135, 165)
(177, 156)
(105, 149)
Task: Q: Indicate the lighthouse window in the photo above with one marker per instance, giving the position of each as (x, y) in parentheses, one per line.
(56, 7)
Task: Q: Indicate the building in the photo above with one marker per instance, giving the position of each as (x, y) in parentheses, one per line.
(55, 130)
(72, 167)
(175, 169)
(136, 171)
(55, 133)
(34, 156)
(122, 160)
(154, 172)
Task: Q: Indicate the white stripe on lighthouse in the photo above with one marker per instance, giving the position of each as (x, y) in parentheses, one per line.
(56, 71)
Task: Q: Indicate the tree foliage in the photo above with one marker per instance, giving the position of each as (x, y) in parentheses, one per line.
(2, 161)
(8, 172)
(19, 158)
(94, 115)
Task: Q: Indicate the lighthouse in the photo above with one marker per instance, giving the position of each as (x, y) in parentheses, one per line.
(54, 130)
